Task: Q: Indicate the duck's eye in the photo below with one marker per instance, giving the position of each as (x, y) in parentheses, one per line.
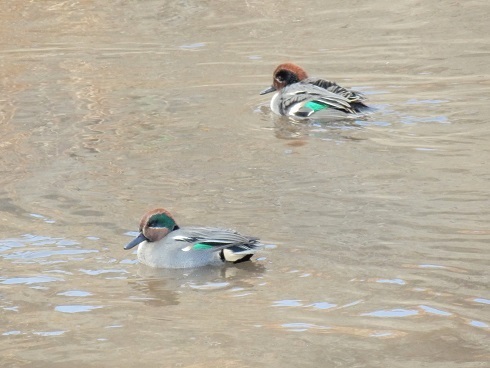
(161, 220)
(281, 76)
(287, 77)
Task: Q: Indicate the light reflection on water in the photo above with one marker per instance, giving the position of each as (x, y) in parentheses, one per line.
(392, 313)
(38, 248)
(49, 333)
(302, 327)
(75, 293)
(29, 280)
(76, 308)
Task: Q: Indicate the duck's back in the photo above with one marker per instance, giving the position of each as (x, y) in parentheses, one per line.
(318, 98)
(351, 95)
(193, 247)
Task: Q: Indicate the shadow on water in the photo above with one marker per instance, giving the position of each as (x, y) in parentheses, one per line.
(160, 286)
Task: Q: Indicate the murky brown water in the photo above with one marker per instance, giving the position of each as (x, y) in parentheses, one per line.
(379, 231)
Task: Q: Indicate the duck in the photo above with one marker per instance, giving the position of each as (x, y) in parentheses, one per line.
(301, 97)
(163, 244)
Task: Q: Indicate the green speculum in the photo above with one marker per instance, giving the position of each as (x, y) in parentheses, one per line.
(201, 246)
(316, 106)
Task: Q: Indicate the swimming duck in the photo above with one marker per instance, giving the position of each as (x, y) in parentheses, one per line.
(301, 97)
(162, 243)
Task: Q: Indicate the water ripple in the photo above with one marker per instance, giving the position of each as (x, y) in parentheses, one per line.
(322, 305)
(391, 313)
(287, 303)
(391, 281)
(479, 324)
(209, 285)
(301, 327)
(38, 247)
(49, 333)
(101, 272)
(29, 280)
(78, 293)
(76, 308)
(431, 310)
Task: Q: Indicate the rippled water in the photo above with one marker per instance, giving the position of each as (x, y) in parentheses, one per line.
(377, 230)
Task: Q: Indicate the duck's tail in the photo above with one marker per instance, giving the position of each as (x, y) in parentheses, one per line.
(361, 108)
(242, 252)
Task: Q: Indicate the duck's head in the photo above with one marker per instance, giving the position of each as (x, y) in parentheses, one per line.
(284, 75)
(154, 226)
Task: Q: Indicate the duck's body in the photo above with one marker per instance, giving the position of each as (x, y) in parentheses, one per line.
(301, 97)
(163, 244)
